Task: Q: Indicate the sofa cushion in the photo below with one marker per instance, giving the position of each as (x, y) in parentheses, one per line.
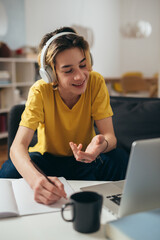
(135, 119)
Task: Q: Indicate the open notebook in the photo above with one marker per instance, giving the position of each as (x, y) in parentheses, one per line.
(17, 199)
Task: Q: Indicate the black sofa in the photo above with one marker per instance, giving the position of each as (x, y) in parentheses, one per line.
(134, 119)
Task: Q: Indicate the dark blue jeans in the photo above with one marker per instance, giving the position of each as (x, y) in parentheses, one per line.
(110, 166)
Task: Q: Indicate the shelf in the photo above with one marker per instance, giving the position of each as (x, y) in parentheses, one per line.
(4, 110)
(23, 84)
(8, 85)
(25, 60)
(3, 135)
(22, 75)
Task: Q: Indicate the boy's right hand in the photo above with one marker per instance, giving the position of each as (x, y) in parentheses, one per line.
(48, 193)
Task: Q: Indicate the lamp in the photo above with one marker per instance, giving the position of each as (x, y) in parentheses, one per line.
(138, 29)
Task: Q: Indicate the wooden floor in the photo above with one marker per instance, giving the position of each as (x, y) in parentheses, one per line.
(3, 151)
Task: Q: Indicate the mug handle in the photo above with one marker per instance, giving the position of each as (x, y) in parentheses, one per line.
(62, 211)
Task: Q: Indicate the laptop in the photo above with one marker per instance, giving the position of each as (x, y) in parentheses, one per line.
(140, 191)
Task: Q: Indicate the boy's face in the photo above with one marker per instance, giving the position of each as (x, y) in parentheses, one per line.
(72, 72)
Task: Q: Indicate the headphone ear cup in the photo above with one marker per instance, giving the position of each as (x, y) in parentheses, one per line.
(47, 74)
(50, 73)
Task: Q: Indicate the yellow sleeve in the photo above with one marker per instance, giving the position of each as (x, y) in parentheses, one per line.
(101, 107)
(33, 113)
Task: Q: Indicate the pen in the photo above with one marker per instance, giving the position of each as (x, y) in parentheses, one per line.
(35, 165)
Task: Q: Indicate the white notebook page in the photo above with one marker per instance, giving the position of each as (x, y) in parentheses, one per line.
(24, 196)
(8, 206)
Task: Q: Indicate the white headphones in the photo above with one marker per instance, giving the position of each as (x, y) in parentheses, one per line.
(46, 71)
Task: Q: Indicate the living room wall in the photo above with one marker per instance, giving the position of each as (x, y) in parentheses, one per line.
(141, 54)
(99, 21)
(15, 36)
(113, 54)
(100, 17)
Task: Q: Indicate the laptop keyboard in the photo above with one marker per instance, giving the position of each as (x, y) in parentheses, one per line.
(115, 198)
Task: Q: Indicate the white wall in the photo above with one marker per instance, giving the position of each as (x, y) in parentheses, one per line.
(29, 20)
(112, 53)
(101, 16)
(141, 54)
(15, 36)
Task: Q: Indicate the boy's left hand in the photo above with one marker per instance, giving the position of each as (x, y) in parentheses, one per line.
(96, 146)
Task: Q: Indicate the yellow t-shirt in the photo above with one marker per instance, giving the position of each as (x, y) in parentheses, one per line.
(57, 124)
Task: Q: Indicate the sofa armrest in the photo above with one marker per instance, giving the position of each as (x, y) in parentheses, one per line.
(13, 124)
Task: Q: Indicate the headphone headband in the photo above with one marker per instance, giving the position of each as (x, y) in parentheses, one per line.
(44, 50)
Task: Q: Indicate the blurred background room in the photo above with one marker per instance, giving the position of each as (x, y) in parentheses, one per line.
(124, 38)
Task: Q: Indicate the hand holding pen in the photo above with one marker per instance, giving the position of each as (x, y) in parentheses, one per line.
(47, 190)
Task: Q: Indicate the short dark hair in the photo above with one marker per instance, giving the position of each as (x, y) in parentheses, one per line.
(62, 43)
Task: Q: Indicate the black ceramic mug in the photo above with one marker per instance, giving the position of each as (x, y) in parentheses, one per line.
(86, 210)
